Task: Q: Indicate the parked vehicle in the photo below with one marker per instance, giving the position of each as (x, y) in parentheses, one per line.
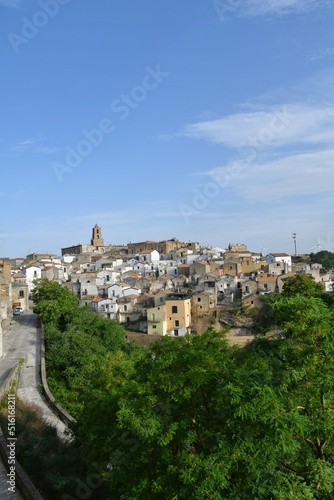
(17, 311)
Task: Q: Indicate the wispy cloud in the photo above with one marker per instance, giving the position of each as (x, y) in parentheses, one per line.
(322, 51)
(280, 7)
(276, 7)
(13, 4)
(32, 144)
(274, 181)
(266, 8)
(279, 151)
(22, 145)
(47, 150)
(11, 195)
(269, 127)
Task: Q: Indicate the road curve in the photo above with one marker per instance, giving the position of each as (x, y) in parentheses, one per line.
(22, 341)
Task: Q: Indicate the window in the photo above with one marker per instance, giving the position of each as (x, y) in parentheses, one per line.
(177, 323)
(174, 309)
(125, 307)
(21, 293)
(265, 285)
(154, 327)
(246, 289)
(199, 299)
(153, 317)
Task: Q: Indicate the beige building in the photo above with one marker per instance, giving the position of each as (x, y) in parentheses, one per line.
(5, 293)
(163, 247)
(156, 320)
(20, 291)
(171, 318)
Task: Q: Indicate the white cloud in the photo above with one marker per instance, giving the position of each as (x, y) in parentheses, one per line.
(276, 7)
(269, 9)
(294, 175)
(14, 4)
(32, 144)
(23, 144)
(269, 127)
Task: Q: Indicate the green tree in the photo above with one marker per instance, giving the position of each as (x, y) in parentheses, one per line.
(303, 284)
(323, 257)
(52, 300)
(283, 399)
(164, 435)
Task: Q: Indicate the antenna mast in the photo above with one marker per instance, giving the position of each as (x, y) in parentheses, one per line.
(294, 236)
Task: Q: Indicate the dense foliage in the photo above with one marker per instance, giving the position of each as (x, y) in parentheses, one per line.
(77, 342)
(194, 417)
(325, 258)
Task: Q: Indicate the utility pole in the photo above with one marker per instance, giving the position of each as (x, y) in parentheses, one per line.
(294, 236)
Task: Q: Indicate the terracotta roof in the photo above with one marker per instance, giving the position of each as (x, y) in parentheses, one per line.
(266, 278)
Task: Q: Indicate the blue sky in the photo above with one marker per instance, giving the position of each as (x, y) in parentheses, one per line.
(209, 121)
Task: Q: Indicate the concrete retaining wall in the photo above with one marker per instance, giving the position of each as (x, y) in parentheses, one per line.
(12, 380)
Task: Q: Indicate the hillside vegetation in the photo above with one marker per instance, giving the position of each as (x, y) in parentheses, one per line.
(194, 417)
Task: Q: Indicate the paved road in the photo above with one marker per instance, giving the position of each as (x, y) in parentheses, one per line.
(22, 341)
(15, 342)
(30, 378)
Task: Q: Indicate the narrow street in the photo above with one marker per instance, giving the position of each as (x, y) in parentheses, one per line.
(22, 341)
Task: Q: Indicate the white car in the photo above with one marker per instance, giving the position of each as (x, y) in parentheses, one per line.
(17, 311)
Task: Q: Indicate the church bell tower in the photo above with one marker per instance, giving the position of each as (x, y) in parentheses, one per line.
(97, 240)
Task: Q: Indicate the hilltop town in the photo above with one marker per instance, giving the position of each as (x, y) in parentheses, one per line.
(159, 288)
